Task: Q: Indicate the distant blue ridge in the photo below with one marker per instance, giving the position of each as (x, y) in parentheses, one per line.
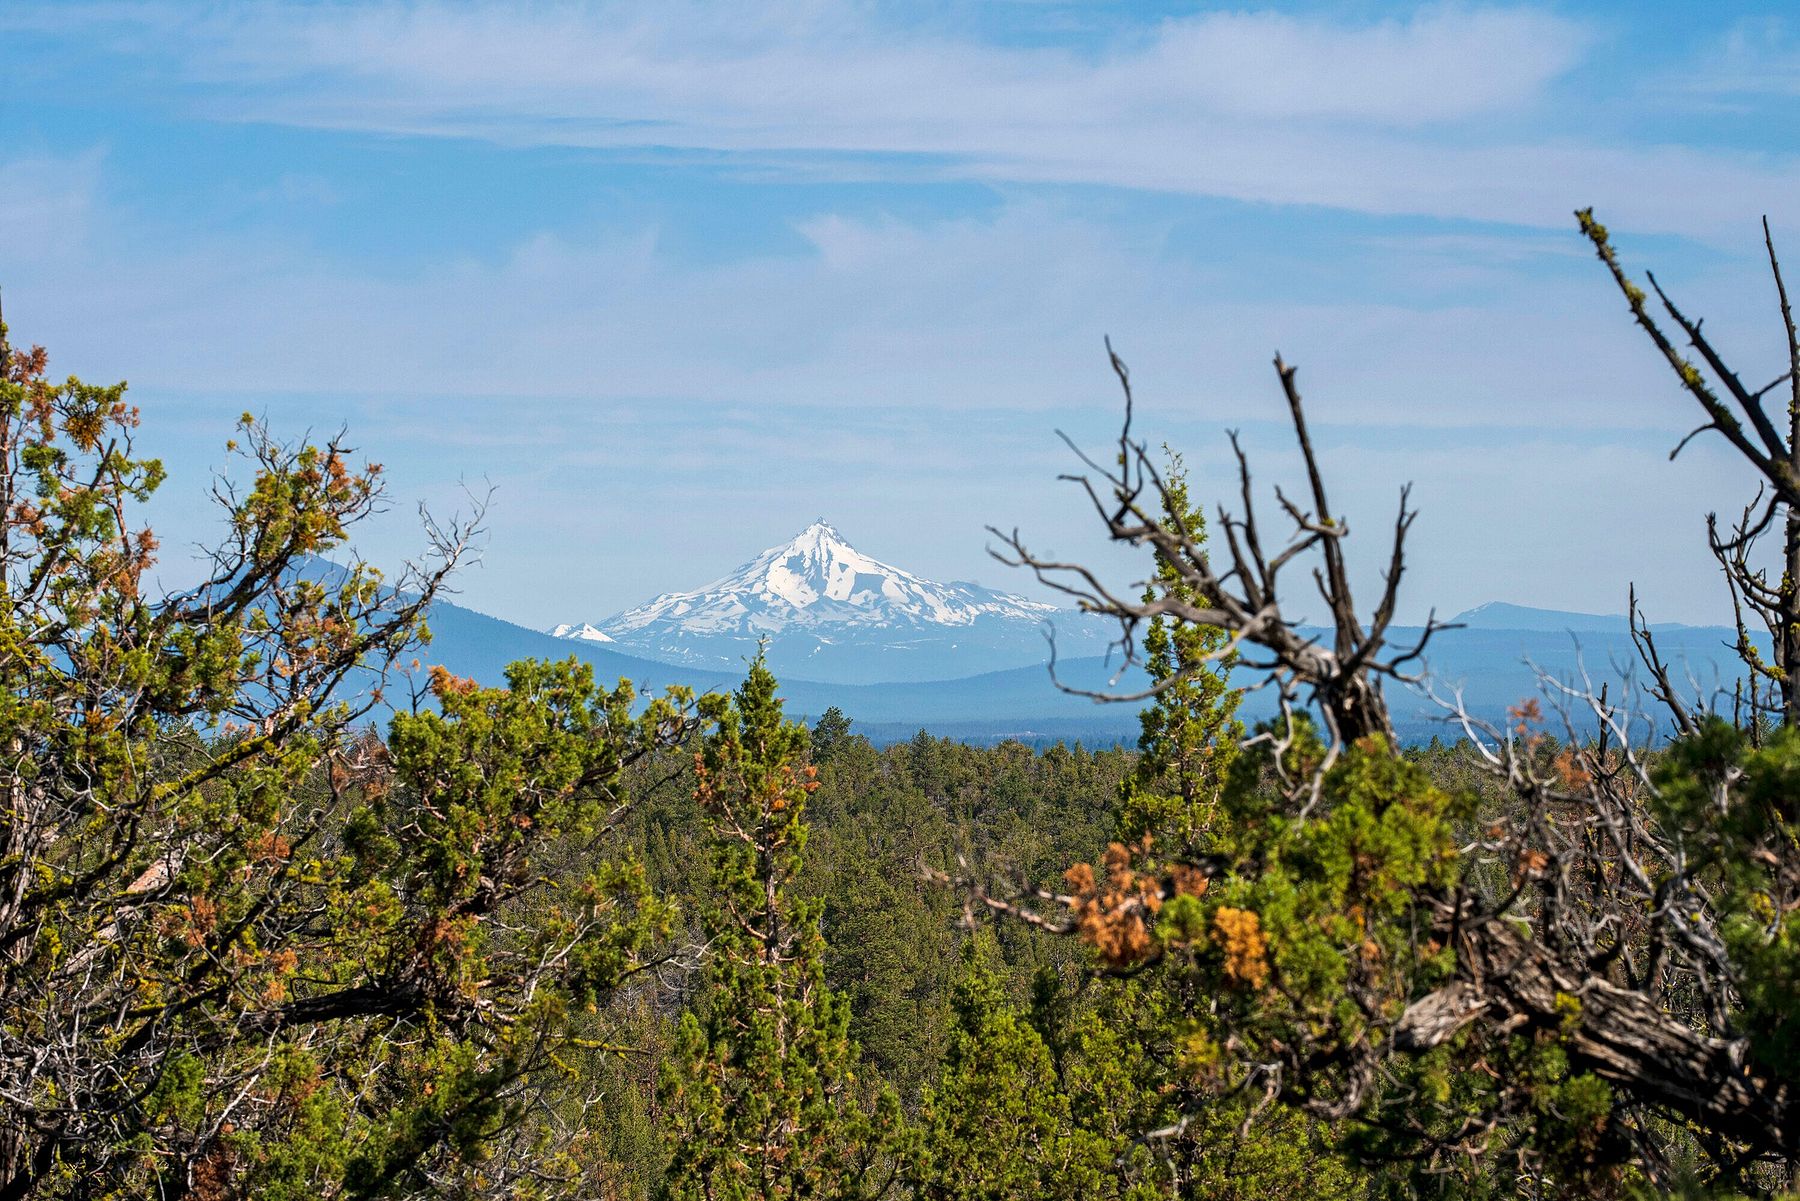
(1491, 661)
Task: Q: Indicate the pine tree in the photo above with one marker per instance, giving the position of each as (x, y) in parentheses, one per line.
(830, 731)
(762, 1093)
(1191, 731)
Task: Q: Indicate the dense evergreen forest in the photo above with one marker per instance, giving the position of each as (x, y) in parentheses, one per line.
(267, 933)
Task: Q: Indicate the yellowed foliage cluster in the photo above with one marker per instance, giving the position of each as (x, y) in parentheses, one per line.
(1113, 913)
(1246, 949)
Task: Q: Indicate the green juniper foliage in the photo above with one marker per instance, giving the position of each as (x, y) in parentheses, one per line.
(1555, 970)
(1142, 1050)
(999, 1125)
(246, 947)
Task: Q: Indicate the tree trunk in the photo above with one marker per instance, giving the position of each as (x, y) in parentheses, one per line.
(1617, 1034)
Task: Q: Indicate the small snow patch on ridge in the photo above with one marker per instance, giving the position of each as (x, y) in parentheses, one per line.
(580, 631)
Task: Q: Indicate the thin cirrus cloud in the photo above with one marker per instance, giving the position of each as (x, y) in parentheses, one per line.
(713, 76)
(947, 314)
(1445, 112)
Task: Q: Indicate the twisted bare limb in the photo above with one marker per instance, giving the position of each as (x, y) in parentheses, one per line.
(1341, 675)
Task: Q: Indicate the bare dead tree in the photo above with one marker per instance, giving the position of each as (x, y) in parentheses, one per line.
(1738, 414)
(1245, 592)
(1592, 907)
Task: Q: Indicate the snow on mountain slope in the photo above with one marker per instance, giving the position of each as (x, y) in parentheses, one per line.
(819, 580)
(830, 612)
(580, 631)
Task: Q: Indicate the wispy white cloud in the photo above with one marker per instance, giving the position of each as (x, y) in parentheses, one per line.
(1446, 112)
(716, 73)
(937, 315)
(1432, 69)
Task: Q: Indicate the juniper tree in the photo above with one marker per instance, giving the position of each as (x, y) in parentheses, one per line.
(999, 1125)
(1136, 1047)
(762, 1093)
(247, 948)
(1574, 991)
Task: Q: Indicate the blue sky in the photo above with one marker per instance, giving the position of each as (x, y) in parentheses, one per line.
(672, 280)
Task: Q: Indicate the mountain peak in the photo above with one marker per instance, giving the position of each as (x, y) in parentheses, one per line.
(817, 579)
(821, 606)
(821, 535)
(817, 565)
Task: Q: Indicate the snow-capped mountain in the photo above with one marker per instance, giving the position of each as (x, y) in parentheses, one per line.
(819, 580)
(831, 612)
